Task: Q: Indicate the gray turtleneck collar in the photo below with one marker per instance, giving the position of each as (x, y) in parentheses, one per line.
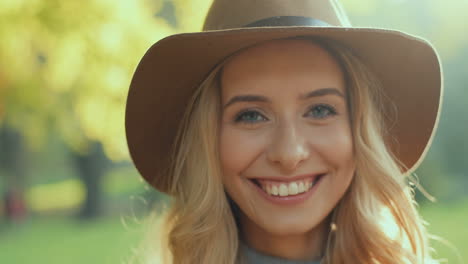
(254, 257)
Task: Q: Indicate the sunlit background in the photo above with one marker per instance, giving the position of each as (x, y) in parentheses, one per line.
(69, 193)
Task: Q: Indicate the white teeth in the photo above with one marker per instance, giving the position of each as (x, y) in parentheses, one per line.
(292, 189)
(301, 187)
(274, 190)
(283, 190)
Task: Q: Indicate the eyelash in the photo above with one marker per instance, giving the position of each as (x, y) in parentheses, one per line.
(329, 108)
(239, 117)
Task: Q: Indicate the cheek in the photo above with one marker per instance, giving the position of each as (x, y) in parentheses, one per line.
(335, 144)
(335, 148)
(238, 149)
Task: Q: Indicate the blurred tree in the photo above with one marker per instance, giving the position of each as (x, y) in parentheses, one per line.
(452, 141)
(14, 161)
(13, 157)
(91, 168)
(66, 67)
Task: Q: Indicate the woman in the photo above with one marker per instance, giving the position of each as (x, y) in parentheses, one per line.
(286, 136)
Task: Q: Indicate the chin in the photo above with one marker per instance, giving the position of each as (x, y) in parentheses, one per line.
(289, 226)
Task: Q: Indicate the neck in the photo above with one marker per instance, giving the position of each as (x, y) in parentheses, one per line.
(306, 246)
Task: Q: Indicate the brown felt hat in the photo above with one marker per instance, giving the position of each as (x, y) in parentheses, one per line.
(408, 68)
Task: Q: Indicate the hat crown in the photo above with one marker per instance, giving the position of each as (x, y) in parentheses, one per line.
(226, 14)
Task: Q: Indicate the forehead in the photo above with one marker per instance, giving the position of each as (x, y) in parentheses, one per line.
(288, 63)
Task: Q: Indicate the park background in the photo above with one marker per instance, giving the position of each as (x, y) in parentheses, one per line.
(65, 67)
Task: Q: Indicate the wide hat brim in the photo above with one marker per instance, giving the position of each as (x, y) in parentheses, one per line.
(407, 67)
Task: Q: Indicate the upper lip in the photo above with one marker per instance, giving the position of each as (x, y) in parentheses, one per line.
(289, 178)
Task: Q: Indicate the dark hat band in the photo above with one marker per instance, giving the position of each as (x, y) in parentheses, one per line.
(282, 21)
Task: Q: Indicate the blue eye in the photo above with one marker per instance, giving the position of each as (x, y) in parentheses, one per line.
(321, 111)
(249, 116)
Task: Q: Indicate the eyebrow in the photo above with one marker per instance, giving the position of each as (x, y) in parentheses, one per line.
(322, 92)
(259, 98)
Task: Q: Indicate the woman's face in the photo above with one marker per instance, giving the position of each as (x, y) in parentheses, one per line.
(285, 144)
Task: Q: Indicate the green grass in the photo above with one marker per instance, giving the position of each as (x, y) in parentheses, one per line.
(450, 222)
(62, 240)
(55, 241)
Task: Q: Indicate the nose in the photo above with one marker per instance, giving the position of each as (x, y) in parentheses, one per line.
(288, 148)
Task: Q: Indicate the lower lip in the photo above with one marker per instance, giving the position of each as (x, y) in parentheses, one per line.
(288, 200)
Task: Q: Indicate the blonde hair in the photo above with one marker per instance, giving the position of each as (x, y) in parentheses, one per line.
(201, 224)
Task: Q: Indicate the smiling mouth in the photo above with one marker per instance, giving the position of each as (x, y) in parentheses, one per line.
(281, 188)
